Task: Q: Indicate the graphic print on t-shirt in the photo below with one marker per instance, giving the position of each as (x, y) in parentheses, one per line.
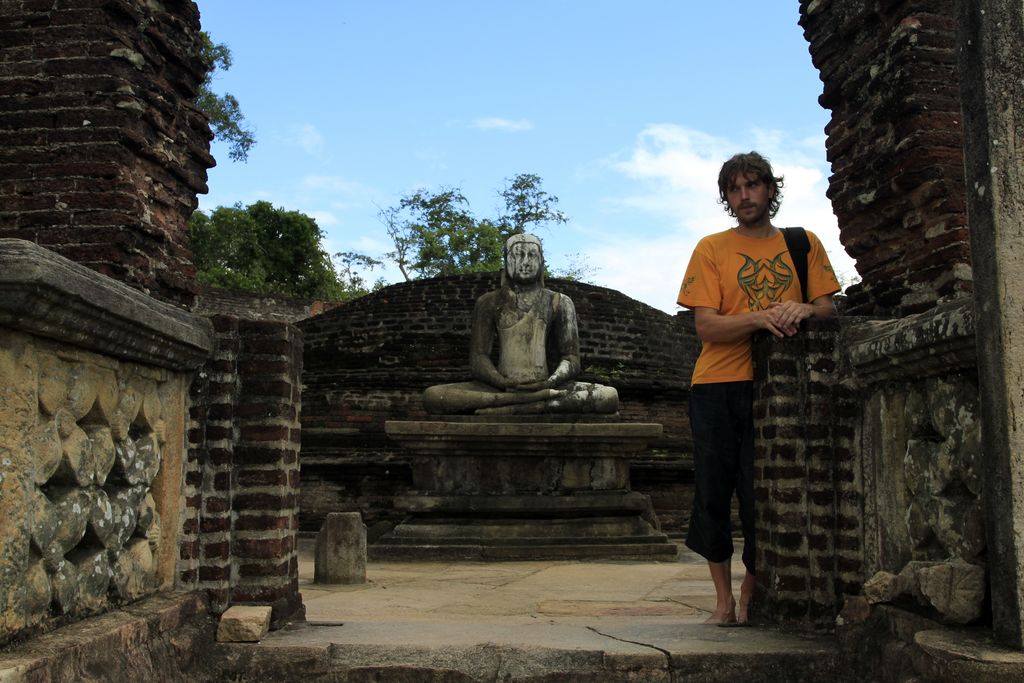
(764, 281)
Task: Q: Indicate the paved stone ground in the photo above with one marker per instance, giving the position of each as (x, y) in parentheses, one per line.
(508, 593)
(441, 622)
(518, 621)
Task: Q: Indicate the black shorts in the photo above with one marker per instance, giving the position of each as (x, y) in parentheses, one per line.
(722, 420)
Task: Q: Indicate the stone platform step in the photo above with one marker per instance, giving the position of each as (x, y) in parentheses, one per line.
(579, 503)
(586, 538)
(420, 552)
(484, 651)
(499, 531)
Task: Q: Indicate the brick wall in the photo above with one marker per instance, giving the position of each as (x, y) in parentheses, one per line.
(807, 483)
(242, 473)
(101, 150)
(370, 359)
(215, 301)
(895, 143)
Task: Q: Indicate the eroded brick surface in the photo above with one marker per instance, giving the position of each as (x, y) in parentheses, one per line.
(895, 142)
(101, 151)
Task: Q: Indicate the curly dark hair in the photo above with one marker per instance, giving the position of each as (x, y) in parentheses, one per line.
(751, 162)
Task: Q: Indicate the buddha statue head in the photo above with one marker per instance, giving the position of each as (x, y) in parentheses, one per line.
(524, 261)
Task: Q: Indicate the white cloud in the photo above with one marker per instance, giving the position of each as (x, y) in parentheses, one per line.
(324, 219)
(307, 137)
(672, 174)
(508, 125)
(649, 270)
(676, 171)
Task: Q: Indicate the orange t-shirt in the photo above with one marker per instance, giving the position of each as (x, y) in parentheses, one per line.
(735, 274)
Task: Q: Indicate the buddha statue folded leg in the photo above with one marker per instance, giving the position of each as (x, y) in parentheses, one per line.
(467, 397)
(577, 397)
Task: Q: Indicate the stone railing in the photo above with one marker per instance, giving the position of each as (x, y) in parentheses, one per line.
(869, 439)
(920, 459)
(92, 411)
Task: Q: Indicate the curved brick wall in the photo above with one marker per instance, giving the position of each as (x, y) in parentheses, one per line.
(369, 360)
(247, 306)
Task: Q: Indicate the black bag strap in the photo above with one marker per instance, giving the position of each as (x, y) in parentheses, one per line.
(799, 246)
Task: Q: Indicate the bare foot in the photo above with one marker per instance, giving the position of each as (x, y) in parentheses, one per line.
(746, 594)
(725, 614)
(744, 612)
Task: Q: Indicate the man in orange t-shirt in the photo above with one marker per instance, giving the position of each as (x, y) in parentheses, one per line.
(739, 282)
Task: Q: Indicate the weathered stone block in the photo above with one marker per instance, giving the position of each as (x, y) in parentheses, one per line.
(884, 587)
(124, 504)
(93, 572)
(103, 451)
(37, 593)
(244, 624)
(64, 581)
(101, 517)
(71, 507)
(856, 610)
(133, 570)
(341, 549)
(956, 589)
(147, 459)
(76, 466)
(44, 441)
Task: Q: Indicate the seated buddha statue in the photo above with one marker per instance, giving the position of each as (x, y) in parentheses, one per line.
(529, 323)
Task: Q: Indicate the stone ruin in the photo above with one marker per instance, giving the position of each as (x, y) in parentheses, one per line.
(146, 448)
(369, 360)
(522, 459)
(93, 411)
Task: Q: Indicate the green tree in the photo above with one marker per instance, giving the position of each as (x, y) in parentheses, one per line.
(351, 279)
(435, 233)
(265, 250)
(225, 114)
(526, 202)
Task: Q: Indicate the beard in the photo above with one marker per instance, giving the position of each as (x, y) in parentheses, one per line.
(748, 217)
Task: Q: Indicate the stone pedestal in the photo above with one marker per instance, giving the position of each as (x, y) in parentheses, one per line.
(341, 549)
(519, 490)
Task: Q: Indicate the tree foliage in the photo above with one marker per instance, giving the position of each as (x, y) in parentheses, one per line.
(434, 233)
(527, 203)
(225, 114)
(266, 250)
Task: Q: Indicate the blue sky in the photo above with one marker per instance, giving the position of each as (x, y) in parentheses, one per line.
(626, 110)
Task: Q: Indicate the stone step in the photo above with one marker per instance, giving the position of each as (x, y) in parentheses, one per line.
(632, 651)
(591, 529)
(581, 503)
(419, 552)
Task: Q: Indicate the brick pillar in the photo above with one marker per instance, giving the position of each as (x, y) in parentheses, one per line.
(206, 537)
(242, 478)
(807, 504)
(991, 48)
(895, 145)
(265, 552)
(102, 152)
